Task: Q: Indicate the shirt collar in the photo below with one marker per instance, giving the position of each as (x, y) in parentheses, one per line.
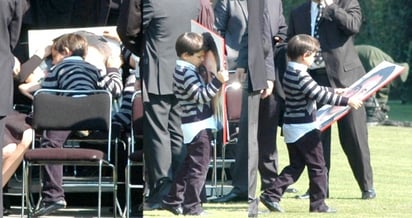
(185, 64)
(298, 66)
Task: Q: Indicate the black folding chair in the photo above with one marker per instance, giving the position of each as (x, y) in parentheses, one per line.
(73, 111)
(135, 157)
(233, 101)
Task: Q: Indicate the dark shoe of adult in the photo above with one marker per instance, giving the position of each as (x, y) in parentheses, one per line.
(200, 213)
(369, 194)
(303, 197)
(176, 210)
(392, 123)
(291, 190)
(151, 206)
(6, 212)
(230, 197)
(136, 210)
(271, 205)
(253, 208)
(325, 210)
(48, 208)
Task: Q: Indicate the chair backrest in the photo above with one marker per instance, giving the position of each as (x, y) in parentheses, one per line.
(233, 103)
(72, 110)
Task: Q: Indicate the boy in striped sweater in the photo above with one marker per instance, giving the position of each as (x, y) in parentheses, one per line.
(70, 72)
(194, 96)
(301, 131)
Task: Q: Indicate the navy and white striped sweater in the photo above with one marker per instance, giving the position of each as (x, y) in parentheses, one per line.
(73, 73)
(193, 94)
(302, 93)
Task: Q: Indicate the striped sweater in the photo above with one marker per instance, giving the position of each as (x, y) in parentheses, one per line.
(302, 93)
(193, 94)
(73, 73)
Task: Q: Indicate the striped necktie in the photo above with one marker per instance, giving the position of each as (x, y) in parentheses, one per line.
(318, 57)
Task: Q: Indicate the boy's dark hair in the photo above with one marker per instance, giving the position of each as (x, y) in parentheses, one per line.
(189, 42)
(76, 43)
(301, 44)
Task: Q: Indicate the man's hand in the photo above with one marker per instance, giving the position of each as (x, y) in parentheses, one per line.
(16, 67)
(327, 2)
(240, 74)
(264, 93)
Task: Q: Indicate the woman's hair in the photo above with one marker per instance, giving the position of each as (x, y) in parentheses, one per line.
(301, 44)
(189, 42)
(210, 45)
(76, 43)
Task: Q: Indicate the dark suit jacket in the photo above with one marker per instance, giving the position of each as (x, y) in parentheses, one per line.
(163, 22)
(278, 29)
(230, 22)
(256, 53)
(340, 22)
(11, 15)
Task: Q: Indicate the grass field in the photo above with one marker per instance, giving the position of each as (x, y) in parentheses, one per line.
(391, 156)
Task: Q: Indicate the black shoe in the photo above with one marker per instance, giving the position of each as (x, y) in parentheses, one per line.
(230, 197)
(303, 197)
(176, 210)
(291, 190)
(369, 194)
(6, 212)
(325, 210)
(392, 123)
(201, 213)
(151, 206)
(271, 205)
(136, 210)
(49, 208)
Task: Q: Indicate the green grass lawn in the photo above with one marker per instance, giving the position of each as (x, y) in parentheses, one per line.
(391, 156)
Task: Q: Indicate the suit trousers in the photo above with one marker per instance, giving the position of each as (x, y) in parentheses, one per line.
(163, 143)
(269, 113)
(2, 126)
(247, 148)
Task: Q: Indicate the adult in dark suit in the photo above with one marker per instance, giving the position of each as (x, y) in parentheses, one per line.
(340, 22)
(230, 23)
(231, 18)
(163, 22)
(256, 60)
(11, 15)
(259, 85)
(269, 109)
(229, 15)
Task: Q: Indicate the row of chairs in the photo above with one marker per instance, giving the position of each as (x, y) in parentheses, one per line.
(92, 110)
(73, 111)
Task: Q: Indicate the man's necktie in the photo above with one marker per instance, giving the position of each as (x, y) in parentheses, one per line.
(318, 56)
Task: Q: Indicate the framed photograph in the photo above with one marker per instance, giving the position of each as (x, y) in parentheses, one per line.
(364, 88)
(40, 38)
